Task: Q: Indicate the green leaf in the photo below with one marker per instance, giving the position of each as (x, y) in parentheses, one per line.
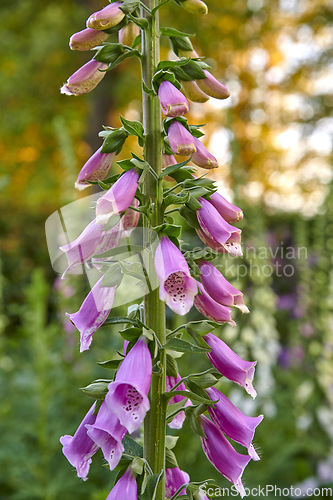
(189, 395)
(171, 441)
(170, 230)
(117, 27)
(206, 380)
(133, 127)
(131, 334)
(198, 339)
(192, 416)
(129, 6)
(173, 168)
(142, 23)
(96, 390)
(201, 327)
(109, 52)
(147, 90)
(176, 198)
(120, 319)
(173, 64)
(174, 408)
(137, 465)
(180, 43)
(137, 39)
(165, 31)
(114, 141)
(180, 345)
(112, 364)
(193, 204)
(196, 388)
(181, 75)
(151, 487)
(189, 216)
(132, 448)
(171, 366)
(170, 459)
(132, 269)
(194, 70)
(113, 276)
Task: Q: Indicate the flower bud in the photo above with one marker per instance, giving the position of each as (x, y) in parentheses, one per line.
(202, 157)
(106, 18)
(213, 87)
(128, 34)
(180, 139)
(85, 79)
(87, 39)
(173, 103)
(96, 168)
(195, 6)
(193, 92)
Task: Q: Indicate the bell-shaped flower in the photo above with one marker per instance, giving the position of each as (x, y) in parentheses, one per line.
(93, 312)
(87, 39)
(173, 103)
(227, 210)
(79, 449)
(108, 433)
(177, 287)
(174, 479)
(212, 309)
(219, 288)
(128, 33)
(118, 198)
(193, 92)
(194, 6)
(127, 396)
(229, 364)
(178, 420)
(180, 139)
(96, 168)
(217, 229)
(213, 87)
(202, 157)
(232, 421)
(222, 455)
(126, 488)
(106, 18)
(92, 241)
(85, 78)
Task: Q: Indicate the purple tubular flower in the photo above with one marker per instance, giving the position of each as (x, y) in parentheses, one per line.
(202, 157)
(85, 79)
(229, 364)
(222, 455)
(219, 288)
(96, 168)
(79, 449)
(192, 92)
(130, 219)
(118, 198)
(213, 87)
(173, 103)
(127, 396)
(232, 421)
(106, 18)
(168, 160)
(229, 212)
(180, 139)
(177, 287)
(125, 488)
(92, 241)
(212, 309)
(178, 420)
(174, 479)
(107, 433)
(93, 312)
(87, 39)
(128, 34)
(217, 229)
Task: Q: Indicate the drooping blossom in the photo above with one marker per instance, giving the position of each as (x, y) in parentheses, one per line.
(85, 78)
(222, 455)
(127, 396)
(217, 229)
(126, 488)
(219, 288)
(96, 168)
(106, 18)
(108, 433)
(227, 210)
(229, 364)
(193, 92)
(118, 198)
(177, 287)
(212, 309)
(93, 312)
(202, 157)
(213, 87)
(194, 6)
(174, 479)
(168, 160)
(92, 241)
(128, 33)
(178, 420)
(180, 139)
(173, 103)
(232, 421)
(87, 39)
(79, 449)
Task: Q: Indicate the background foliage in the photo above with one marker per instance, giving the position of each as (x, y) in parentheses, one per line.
(274, 142)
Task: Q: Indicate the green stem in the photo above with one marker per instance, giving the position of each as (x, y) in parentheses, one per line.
(155, 421)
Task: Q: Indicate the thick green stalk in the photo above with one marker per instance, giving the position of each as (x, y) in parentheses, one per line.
(154, 429)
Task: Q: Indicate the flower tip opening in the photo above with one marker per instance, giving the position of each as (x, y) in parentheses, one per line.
(250, 389)
(243, 308)
(65, 90)
(253, 454)
(80, 186)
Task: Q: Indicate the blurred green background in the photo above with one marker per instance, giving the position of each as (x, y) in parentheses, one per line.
(273, 138)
